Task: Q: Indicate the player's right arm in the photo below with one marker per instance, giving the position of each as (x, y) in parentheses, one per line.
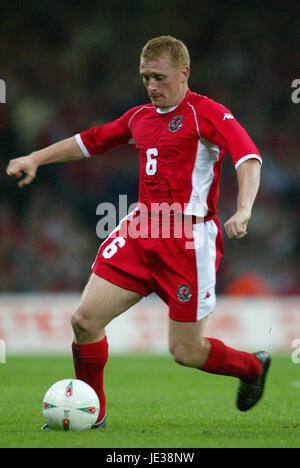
(62, 151)
(95, 141)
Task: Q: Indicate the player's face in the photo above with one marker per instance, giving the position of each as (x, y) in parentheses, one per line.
(166, 83)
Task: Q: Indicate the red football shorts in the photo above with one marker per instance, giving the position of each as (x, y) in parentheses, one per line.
(179, 264)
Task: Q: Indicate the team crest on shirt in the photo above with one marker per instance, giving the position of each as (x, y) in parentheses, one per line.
(184, 293)
(175, 123)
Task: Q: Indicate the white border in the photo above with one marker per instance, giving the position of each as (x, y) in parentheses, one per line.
(81, 146)
(245, 158)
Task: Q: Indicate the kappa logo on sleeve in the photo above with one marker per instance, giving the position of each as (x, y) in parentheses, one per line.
(228, 116)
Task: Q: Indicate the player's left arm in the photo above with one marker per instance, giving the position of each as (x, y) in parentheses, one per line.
(219, 126)
(248, 176)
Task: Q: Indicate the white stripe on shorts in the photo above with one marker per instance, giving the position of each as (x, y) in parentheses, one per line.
(205, 235)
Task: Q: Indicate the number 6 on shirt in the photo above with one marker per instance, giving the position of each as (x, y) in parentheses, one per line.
(151, 165)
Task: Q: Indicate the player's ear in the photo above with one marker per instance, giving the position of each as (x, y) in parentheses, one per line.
(185, 70)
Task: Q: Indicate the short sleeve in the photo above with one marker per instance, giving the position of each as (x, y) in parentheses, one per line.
(99, 140)
(218, 125)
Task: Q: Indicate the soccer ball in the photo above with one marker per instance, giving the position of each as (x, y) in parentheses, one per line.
(71, 404)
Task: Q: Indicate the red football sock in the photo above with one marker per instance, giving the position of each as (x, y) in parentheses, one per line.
(228, 361)
(89, 362)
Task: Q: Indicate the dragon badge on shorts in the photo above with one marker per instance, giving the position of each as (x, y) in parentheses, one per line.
(184, 293)
(175, 123)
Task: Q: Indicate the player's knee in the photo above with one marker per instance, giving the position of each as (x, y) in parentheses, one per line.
(81, 322)
(189, 354)
(181, 354)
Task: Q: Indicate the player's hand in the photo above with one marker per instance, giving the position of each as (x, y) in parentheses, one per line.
(22, 166)
(236, 226)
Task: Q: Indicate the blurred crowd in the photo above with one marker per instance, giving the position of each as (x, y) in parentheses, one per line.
(69, 66)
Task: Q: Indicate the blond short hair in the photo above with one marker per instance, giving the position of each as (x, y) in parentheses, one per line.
(166, 45)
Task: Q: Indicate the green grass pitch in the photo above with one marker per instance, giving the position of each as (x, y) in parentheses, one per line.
(152, 402)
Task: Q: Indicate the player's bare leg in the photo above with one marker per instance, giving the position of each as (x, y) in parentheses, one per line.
(187, 343)
(191, 348)
(101, 302)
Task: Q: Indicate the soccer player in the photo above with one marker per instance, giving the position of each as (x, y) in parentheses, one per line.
(182, 138)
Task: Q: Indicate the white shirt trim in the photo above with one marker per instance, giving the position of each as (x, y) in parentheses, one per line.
(202, 177)
(136, 112)
(245, 158)
(195, 117)
(81, 145)
(165, 110)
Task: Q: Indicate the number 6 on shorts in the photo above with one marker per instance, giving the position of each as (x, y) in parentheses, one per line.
(112, 248)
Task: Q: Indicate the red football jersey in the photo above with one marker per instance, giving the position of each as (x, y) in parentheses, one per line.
(181, 150)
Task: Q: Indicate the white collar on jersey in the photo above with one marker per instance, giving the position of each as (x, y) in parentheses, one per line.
(165, 110)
